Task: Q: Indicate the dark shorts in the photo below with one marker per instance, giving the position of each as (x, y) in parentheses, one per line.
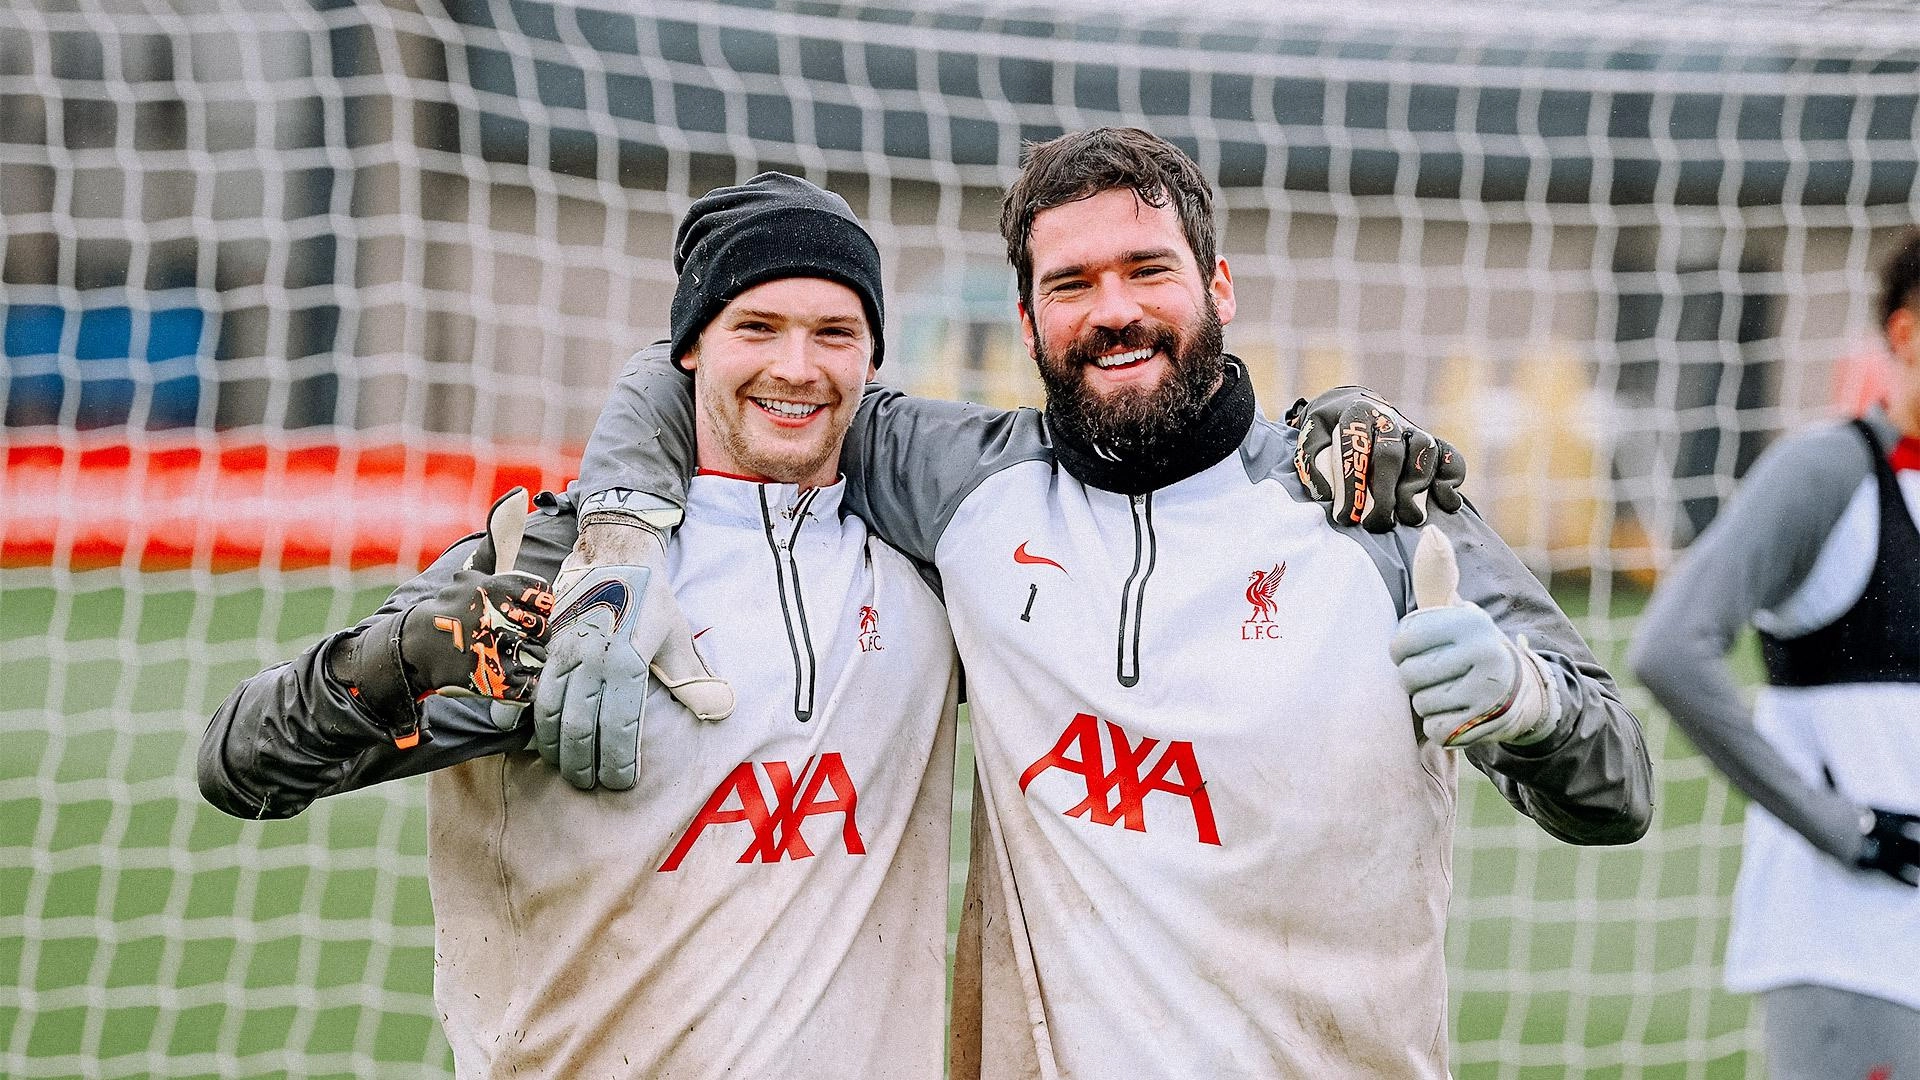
(1820, 1033)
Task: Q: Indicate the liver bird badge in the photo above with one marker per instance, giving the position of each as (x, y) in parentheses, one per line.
(1261, 585)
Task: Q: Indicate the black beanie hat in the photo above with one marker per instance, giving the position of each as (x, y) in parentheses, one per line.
(771, 227)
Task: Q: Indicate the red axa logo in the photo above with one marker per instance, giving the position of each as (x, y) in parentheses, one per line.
(776, 811)
(1118, 796)
(1261, 585)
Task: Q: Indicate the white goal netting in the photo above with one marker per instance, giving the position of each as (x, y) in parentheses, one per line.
(289, 290)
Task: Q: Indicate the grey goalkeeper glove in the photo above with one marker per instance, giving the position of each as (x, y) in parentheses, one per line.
(1370, 465)
(616, 625)
(482, 635)
(1468, 681)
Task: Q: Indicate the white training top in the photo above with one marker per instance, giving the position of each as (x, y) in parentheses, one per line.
(771, 899)
(1220, 874)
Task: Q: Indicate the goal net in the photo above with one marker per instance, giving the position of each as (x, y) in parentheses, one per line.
(290, 291)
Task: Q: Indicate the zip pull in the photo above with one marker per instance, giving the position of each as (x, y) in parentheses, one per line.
(1133, 596)
(793, 609)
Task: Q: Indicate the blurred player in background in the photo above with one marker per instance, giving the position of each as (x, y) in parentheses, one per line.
(1212, 839)
(770, 900)
(1819, 551)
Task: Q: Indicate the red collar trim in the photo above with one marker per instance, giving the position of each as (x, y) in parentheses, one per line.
(732, 476)
(1906, 454)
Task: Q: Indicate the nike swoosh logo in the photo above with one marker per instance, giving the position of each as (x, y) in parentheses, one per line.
(696, 637)
(1021, 555)
(612, 595)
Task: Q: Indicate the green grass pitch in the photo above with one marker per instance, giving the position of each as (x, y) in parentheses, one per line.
(142, 933)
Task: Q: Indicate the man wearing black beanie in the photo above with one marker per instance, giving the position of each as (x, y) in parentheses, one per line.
(768, 897)
(773, 226)
(732, 240)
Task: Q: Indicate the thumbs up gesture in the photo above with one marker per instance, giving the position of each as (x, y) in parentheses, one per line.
(1469, 683)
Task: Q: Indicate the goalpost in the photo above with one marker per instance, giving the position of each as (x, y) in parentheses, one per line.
(289, 291)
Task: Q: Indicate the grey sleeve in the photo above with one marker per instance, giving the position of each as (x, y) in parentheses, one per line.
(290, 734)
(909, 461)
(1591, 782)
(1753, 557)
(643, 440)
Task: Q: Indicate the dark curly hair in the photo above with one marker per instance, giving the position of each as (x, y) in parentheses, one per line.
(1082, 164)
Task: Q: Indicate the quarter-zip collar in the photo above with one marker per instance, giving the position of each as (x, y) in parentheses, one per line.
(1220, 429)
(729, 500)
(784, 515)
(1133, 597)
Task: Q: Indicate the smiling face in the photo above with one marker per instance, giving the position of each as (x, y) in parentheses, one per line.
(1125, 327)
(777, 376)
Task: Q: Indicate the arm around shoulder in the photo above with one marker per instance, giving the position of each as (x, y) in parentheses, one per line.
(643, 440)
(910, 461)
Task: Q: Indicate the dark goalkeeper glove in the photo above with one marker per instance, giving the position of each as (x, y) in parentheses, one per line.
(1371, 465)
(482, 635)
(1891, 845)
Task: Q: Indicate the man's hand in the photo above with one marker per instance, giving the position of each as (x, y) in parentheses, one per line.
(1891, 845)
(1372, 466)
(482, 635)
(617, 623)
(1468, 682)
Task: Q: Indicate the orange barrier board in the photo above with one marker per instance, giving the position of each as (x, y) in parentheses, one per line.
(195, 499)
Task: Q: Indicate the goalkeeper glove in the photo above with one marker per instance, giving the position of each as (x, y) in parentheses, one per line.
(617, 624)
(1468, 682)
(482, 635)
(1369, 464)
(1890, 844)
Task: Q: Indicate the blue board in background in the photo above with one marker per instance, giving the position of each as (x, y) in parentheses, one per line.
(37, 389)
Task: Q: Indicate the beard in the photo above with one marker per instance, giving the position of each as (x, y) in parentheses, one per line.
(1140, 422)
